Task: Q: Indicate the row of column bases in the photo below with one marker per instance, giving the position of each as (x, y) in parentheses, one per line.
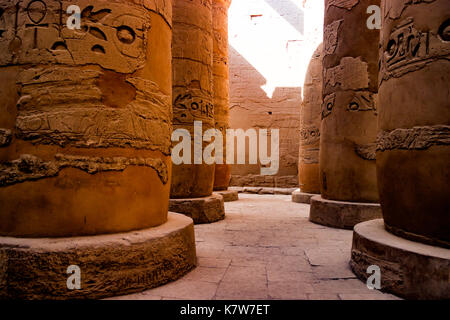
(374, 169)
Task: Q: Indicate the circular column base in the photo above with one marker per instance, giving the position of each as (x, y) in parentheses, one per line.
(228, 195)
(408, 269)
(342, 215)
(108, 265)
(302, 197)
(201, 210)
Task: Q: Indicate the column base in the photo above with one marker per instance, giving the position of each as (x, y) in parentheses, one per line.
(110, 265)
(409, 269)
(302, 197)
(228, 195)
(342, 215)
(201, 210)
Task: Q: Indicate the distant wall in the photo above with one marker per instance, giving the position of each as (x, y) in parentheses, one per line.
(271, 44)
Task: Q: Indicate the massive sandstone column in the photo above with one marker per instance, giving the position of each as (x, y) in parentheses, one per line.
(85, 123)
(413, 154)
(221, 86)
(310, 119)
(192, 49)
(349, 117)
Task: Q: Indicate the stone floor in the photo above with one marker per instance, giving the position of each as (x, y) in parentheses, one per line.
(267, 249)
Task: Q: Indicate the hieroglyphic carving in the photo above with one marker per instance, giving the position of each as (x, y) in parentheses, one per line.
(331, 37)
(350, 74)
(112, 35)
(309, 135)
(29, 167)
(417, 138)
(343, 4)
(409, 49)
(189, 107)
(394, 9)
(362, 101)
(328, 105)
(5, 137)
(46, 116)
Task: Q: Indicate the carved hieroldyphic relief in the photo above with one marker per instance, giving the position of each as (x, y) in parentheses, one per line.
(191, 106)
(328, 105)
(350, 74)
(417, 138)
(309, 136)
(309, 156)
(363, 101)
(5, 137)
(343, 4)
(112, 35)
(30, 168)
(47, 116)
(331, 37)
(366, 151)
(409, 49)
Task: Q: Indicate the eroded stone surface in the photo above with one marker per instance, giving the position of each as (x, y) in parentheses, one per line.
(409, 269)
(413, 138)
(110, 265)
(201, 210)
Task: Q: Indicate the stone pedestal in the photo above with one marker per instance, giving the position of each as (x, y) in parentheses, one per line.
(228, 195)
(110, 265)
(201, 210)
(302, 197)
(343, 215)
(408, 269)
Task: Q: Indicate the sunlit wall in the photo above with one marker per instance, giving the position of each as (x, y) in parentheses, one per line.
(271, 44)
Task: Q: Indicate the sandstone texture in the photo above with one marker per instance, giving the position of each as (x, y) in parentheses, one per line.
(222, 173)
(349, 112)
(85, 117)
(302, 197)
(228, 195)
(193, 98)
(201, 210)
(340, 214)
(310, 121)
(408, 269)
(110, 265)
(413, 147)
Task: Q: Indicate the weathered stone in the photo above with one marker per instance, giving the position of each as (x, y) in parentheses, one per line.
(408, 269)
(201, 210)
(192, 49)
(349, 117)
(222, 173)
(414, 136)
(302, 197)
(110, 265)
(310, 117)
(85, 117)
(228, 195)
(339, 214)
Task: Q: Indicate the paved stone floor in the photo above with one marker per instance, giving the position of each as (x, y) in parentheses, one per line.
(267, 249)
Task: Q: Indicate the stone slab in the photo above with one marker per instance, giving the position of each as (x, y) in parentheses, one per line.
(409, 269)
(228, 195)
(201, 210)
(302, 197)
(342, 215)
(110, 265)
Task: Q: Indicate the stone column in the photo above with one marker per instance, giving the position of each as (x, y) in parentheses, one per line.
(310, 119)
(85, 122)
(193, 110)
(413, 154)
(222, 174)
(349, 192)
